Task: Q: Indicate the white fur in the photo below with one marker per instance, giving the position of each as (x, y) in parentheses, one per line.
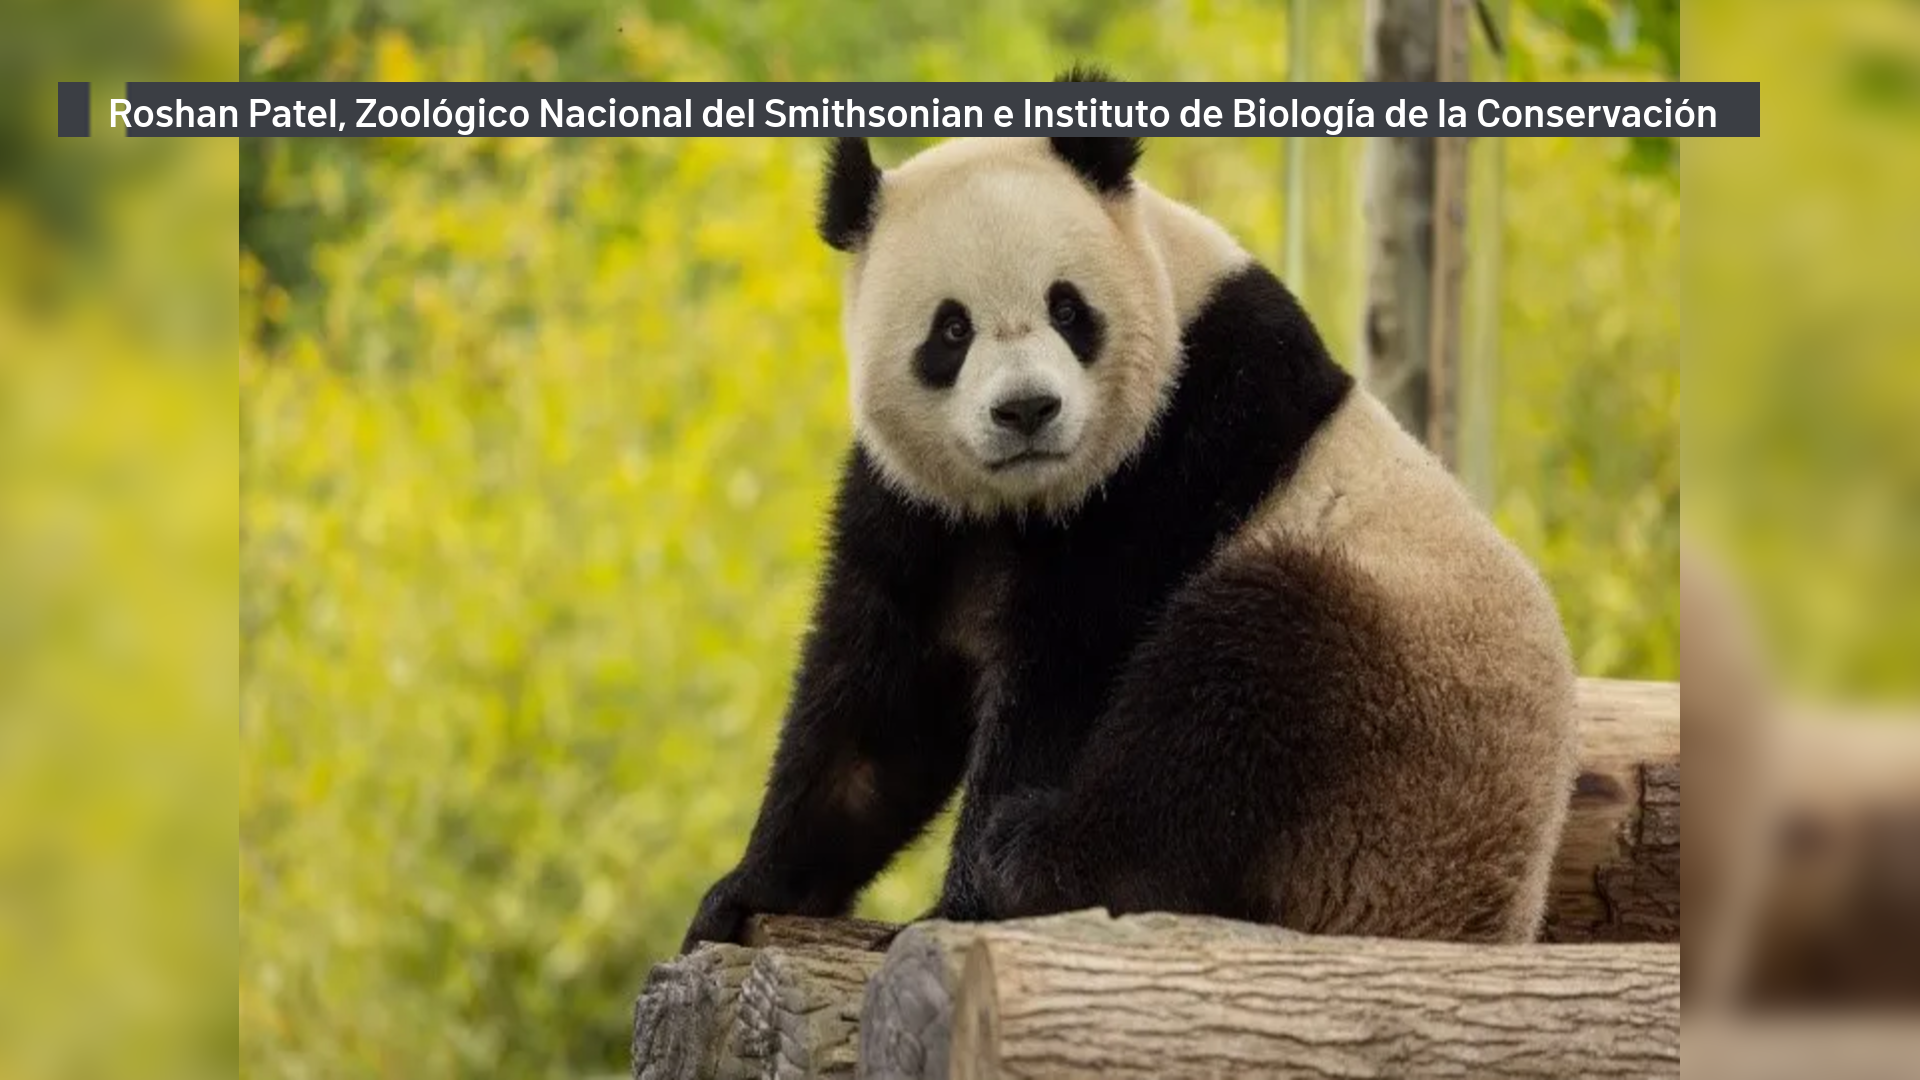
(1006, 364)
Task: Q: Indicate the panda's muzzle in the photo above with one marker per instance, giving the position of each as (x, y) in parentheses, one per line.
(1021, 407)
(1026, 415)
(1024, 457)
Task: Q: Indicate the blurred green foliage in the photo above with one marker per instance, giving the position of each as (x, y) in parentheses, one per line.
(1611, 35)
(118, 680)
(536, 442)
(1803, 458)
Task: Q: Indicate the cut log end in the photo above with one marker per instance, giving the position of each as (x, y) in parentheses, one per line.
(799, 1013)
(906, 1022)
(680, 1018)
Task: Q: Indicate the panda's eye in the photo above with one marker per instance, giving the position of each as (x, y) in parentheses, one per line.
(941, 355)
(956, 330)
(1064, 305)
(1077, 322)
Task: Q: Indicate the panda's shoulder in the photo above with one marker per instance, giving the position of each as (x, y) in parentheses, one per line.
(880, 529)
(1242, 305)
(1257, 384)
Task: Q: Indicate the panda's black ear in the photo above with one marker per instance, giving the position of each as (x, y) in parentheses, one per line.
(1084, 72)
(850, 195)
(1106, 163)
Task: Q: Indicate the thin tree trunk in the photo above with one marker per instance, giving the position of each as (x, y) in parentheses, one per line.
(1416, 210)
(1398, 181)
(1446, 308)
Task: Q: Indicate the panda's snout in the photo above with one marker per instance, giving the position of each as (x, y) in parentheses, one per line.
(1025, 414)
(1020, 406)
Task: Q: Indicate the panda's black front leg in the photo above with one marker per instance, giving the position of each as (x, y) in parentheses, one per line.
(960, 901)
(871, 749)
(1027, 863)
(876, 736)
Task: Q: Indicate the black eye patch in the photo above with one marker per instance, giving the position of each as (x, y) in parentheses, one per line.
(1075, 320)
(937, 361)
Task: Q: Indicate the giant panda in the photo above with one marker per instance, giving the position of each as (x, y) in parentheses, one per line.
(1120, 550)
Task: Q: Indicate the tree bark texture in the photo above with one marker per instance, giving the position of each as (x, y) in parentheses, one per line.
(1416, 209)
(1399, 175)
(734, 1013)
(683, 1021)
(1083, 995)
(1617, 877)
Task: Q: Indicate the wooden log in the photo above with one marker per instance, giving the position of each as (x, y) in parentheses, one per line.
(906, 1022)
(1617, 876)
(907, 1019)
(682, 1020)
(1314, 1008)
(799, 932)
(1083, 994)
(799, 1011)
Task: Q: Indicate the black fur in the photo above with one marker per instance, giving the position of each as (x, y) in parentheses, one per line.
(1234, 722)
(1083, 599)
(1085, 73)
(850, 198)
(937, 361)
(876, 733)
(1105, 162)
(1085, 330)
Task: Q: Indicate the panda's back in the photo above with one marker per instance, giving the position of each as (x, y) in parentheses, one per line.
(1472, 679)
(1368, 490)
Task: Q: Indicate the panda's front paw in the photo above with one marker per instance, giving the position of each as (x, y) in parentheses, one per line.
(1022, 867)
(723, 913)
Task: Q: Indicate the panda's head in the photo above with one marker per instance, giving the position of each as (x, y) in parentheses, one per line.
(1007, 317)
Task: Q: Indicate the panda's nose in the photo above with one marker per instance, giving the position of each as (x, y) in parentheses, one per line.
(1026, 415)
